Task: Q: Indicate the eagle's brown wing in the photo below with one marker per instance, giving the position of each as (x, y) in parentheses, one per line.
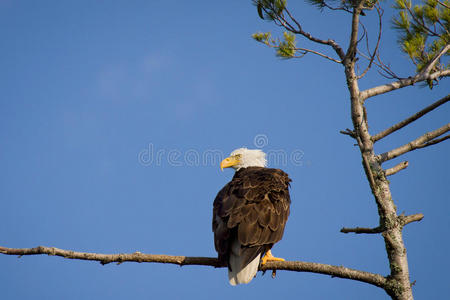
(253, 207)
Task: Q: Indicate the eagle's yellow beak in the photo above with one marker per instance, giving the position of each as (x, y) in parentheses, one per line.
(229, 162)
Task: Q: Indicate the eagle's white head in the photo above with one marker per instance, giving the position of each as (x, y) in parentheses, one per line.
(243, 158)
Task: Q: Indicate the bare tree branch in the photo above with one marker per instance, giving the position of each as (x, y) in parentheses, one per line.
(297, 266)
(351, 51)
(432, 142)
(281, 20)
(339, 51)
(425, 74)
(384, 71)
(414, 117)
(348, 132)
(383, 68)
(303, 51)
(374, 53)
(397, 168)
(409, 219)
(110, 258)
(382, 89)
(359, 230)
(389, 73)
(425, 140)
(435, 59)
(443, 4)
(343, 8)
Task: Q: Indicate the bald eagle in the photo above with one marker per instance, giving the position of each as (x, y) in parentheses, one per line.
(249, 214)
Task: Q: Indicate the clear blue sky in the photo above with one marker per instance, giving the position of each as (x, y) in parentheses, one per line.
(90, 88)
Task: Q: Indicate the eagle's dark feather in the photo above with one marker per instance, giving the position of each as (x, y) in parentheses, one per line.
(254, 207)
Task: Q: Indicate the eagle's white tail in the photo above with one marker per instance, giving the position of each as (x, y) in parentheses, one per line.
(237, 275)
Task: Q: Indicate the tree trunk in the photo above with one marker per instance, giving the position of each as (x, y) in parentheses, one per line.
(398, 286)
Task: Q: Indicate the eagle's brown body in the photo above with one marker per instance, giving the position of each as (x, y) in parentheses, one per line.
(250, 213)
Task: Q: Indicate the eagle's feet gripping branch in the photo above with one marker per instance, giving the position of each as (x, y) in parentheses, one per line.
(270, 257)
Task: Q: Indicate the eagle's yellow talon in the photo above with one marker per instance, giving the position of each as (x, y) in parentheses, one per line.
(270, 257)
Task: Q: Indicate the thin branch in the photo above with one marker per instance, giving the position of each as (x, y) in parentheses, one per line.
(364, 34)
(384, 68)
(443, 27)
(425, 140)
(111, 258)
(371, 58)
(432, 142)
(443, 4)
(351, 51)
(339, 51)
(336, 8)
(435, 59)
(349, 132)
(297, 266)
(304, 50)
(409, 219)
(382, 89)
(407, 121)
(397, 168)
(375, 51)
(425, 74)
(359, 230)
(420, 22)
(281, 21)
(318, 53)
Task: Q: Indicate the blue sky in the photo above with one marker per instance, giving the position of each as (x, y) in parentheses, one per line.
(91, 88)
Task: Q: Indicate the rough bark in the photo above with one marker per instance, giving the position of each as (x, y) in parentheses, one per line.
(398, 286)
(296, 266)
